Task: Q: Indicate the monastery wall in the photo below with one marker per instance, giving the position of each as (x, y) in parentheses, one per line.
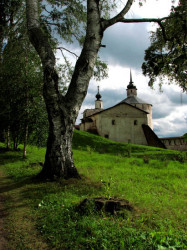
(175, 143)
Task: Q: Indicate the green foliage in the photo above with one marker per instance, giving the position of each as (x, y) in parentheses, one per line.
(66, 18)
(185, 136)
(167, 55)
(21, 103)
(101, 70)
(21, 85)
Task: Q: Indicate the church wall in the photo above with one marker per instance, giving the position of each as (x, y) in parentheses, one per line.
(82, 127)
(147, 108)
(122, 123)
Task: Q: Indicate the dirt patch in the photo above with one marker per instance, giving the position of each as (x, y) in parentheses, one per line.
(17, 220)
(3, 214)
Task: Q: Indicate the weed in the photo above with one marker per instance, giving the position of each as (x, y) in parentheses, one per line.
(129, 150)
(108, 187)
(89, 149)
(146, 159)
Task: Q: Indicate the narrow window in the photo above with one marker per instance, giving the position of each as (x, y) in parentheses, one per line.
(113, 122)
(135, 122)
(106, 136)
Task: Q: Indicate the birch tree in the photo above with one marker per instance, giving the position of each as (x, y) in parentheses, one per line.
(63, 110)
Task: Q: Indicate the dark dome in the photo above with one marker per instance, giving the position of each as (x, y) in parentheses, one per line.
(98, 96)
(131, 86)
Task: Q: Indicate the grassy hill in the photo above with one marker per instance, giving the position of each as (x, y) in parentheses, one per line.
(151, 179)
(90, 142)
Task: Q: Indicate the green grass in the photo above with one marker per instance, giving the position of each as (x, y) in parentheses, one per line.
(152, 179)
(92, 143)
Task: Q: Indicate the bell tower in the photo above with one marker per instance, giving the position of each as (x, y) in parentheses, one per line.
(98, 102)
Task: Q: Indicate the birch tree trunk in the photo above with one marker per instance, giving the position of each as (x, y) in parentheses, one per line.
(63, 111)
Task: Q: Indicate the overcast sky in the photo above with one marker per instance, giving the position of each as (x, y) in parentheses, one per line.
(125, 46)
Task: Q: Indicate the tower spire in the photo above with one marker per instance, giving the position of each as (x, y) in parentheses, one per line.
(131, 85)
(131, 88)
(131, 82)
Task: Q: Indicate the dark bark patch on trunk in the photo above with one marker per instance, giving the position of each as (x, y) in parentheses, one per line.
(56, 172)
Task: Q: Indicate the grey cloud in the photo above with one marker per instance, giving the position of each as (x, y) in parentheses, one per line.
(162, 132)
(125, 44)
(178, 121)
(109, 97)
(176, 97)
(161, 110)
(157, 114)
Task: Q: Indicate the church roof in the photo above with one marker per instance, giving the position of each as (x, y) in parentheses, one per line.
(117, 105)
(133, 100)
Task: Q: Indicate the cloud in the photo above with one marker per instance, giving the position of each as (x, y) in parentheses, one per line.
(125, 44)
(166, 128)
(177, 98)
(174, 124)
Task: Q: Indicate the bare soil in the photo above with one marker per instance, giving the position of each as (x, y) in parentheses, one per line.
(16, 218)
(3, 214)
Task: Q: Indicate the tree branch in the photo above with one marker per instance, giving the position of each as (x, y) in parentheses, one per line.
(62, 48)
(120, 18)
(163, 32)
(37, 37)
(143, 20)
(49, 23)
(110, 22)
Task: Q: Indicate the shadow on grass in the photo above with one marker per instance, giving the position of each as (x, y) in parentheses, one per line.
(31, 190)
(9, 156)
(38, 189)
(8, 185)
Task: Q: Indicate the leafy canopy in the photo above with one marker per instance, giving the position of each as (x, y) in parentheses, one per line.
(167, 55)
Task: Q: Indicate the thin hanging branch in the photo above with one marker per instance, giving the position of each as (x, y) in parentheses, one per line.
(62, 48)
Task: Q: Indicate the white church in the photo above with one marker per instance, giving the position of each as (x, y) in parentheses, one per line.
(128, 121)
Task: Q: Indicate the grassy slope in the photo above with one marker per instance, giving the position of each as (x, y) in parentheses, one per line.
(155, 187)
(86, 141)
